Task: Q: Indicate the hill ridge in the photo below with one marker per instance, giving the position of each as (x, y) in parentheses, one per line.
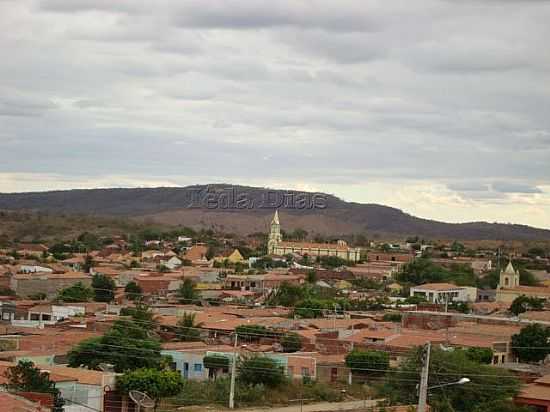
(211, 205)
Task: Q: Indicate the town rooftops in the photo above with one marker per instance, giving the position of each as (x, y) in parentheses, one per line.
(32, 247)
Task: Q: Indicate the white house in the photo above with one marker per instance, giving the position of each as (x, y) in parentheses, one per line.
(444, 293)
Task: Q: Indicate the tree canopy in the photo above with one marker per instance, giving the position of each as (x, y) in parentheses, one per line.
(128, 345)
(75, 293)
(524, 303)
(261, 370)
(368, 362)
(133, 291)
(156, 383)
(25, 377)
(423, 270)
(531, 344)
(104, 288)
(489, 385)
(291, 342)
(187, 293)
(188, 328)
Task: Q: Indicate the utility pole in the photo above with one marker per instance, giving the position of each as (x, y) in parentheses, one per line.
(423, 392)
(233, 368)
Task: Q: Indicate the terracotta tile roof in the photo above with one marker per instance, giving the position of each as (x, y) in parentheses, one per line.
(84, 376)
(183, 345)
(15, 403)
(535, 391)
(32, 247)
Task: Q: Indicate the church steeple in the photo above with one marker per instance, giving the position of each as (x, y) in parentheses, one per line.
(275, 236)
(509, 277)
(275, 220)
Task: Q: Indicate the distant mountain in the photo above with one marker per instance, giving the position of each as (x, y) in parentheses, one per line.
(242, 209)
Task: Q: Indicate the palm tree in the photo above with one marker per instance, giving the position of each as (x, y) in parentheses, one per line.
(187, 329)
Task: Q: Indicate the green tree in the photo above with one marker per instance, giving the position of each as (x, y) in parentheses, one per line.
(332, 262)
(502, 406)
(156, 383)
(480, 355)
(88, 264)
(261, 370)
(531, 344)
(368, 362)
(187, 293)
(288, 295)
(104, 288)
(488, 384)
(215, 363)
(133, 291)
(127, 346)
(25, 377)
(142, 315)
(188, 328)
(291, 342)
(524, 303)
(312, 308)
(75, 293)
(527, 278)
(311, 276)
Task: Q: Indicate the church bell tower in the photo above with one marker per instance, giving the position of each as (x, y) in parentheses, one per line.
(509, 278)
(275, 236)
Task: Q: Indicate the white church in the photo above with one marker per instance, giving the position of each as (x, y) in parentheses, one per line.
(276, 245)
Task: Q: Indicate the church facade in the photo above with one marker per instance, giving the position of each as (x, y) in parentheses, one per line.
(276, 245)
(509, 288)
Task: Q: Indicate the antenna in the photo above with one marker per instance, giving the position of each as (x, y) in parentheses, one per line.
(106, 367)
(141, 399)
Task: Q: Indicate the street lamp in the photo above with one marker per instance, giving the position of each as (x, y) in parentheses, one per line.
(461, 381)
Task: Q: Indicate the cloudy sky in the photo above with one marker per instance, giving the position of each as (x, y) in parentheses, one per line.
(441, 108)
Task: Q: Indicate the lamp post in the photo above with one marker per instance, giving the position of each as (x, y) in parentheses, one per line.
(461, 381)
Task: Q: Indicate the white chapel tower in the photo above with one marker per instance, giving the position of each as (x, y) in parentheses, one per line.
(275, 236)
(509, 278)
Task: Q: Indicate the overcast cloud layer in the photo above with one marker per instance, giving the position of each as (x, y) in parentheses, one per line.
(441, 108)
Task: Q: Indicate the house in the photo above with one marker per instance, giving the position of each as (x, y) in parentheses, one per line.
(31, 249)
(197, 255)
(34, 269)
(48, 283)
(82, 389)
(170, 262)
(441, 293)
(232, 257)
(377, 256)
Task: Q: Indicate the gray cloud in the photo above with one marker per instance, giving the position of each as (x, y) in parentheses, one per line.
(446, 93)
(512, 187)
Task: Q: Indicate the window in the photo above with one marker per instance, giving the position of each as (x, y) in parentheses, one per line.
(305, 371)
(290, 370)
(197, 367)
